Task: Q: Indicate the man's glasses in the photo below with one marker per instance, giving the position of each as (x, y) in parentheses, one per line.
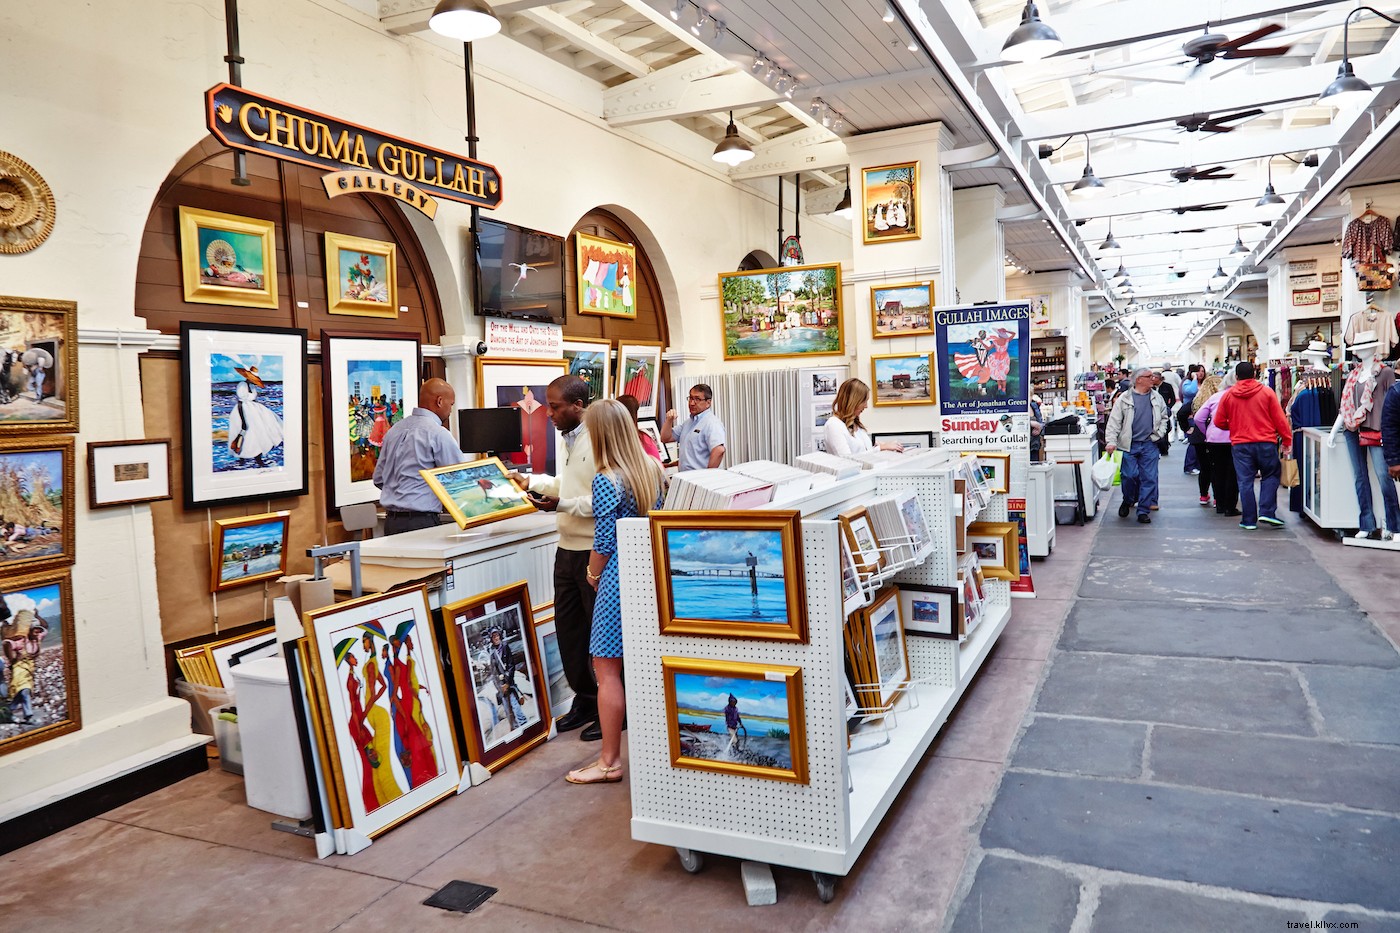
(696, 398)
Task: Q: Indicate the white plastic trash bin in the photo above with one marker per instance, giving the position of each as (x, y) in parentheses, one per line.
(273, 775)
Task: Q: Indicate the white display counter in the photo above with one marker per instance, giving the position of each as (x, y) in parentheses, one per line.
(1329, 486)
(1040, 509)
(1082, 447)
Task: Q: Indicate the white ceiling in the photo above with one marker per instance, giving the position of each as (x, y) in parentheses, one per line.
(1123, 80)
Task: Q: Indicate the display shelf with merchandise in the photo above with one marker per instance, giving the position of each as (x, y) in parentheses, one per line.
(1049, 372)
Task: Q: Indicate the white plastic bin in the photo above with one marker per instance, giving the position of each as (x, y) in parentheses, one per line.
(202, 699)
(274, 777)
(230, 741)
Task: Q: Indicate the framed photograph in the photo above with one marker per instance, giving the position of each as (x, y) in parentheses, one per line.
(561, 695)
(244, 412)
(890, 202)
(228, 260)
(821, 413)
(859, 535)
(825, 382)
(369, 384)
(384, 730)
(785, 312)
(361, 276)
(910, 440)
(887, 653)
(248, 550)
(932, 611)
(36, 489)
(734, 574)
(478, 492)
(996, 469)
(733, 717)
(902, 310)
(38, 366)
(639, 375)
(591, 361)
(521, 384)
(497, 676)
(902, 379)
(605, 274)
(128, 472)
(994, 543)
(39, 645)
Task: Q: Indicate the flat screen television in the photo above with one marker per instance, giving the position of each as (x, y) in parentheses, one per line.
(520, 271)
(490, 430)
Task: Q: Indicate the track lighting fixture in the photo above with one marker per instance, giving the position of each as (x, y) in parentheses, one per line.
(701, 21)
(677, 10)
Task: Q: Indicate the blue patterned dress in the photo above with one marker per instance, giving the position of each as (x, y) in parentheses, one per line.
(611, 501)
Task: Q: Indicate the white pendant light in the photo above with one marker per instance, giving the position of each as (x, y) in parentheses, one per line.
(732, 150)
(464, 20)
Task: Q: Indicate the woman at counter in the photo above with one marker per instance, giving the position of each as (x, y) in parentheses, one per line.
(845, 435)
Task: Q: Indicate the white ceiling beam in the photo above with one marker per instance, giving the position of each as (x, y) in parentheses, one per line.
(685, 89)
(1204, 150)
(817, 203)
(803, 150)
(1019, 212)
(1167, 199)
(963, 157)
(585, 40)
(410, 17)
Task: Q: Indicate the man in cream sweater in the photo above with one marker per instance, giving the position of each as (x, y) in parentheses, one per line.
(570, 497)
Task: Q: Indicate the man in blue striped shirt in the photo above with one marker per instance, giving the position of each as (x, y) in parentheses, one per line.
(418, 442)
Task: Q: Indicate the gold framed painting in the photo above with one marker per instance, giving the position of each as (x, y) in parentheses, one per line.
(783, 312)
(228, 260)
(39, 644)
(734, 717)
(361, 276)
(605, 274)
(38, 366)
(735, 574)
(36, 487)
(249, 550)
(901, 310)
(887, 652)
(902, 379)
(996, 468)
(478, 492)
(995, 544)
(212, 662)
(890, 202)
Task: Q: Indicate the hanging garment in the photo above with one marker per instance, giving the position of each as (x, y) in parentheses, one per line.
(1373, 319)
(1369, 238)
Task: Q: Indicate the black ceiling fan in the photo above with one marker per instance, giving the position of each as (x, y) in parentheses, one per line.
(1197, 122)
(1199, 207)
(1191, 173)
(1209, 46)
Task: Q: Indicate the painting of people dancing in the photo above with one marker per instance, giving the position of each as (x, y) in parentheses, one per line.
(794, 311)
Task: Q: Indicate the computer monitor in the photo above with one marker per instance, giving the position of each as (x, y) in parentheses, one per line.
(494, 431)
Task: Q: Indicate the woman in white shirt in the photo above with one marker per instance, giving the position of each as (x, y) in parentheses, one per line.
(845, 435)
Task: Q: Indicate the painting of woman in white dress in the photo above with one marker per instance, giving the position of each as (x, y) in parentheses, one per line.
(247, 399)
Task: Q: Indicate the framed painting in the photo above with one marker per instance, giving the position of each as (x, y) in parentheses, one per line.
(903, 310)
(734, 574)
(651, 429)
(39, 645)
(591, 361)
(785, 312)
(369, 384)
(36, 488)
(605, 274)
(911, 515)
(887, 653)
(902, 379)
(909, 440)
(228, 260)
(890, 202)
(932, 611)
(521, 384)
(996, 469)
(38, 366)
(478, 492)
(228, 653)
(385, 732)
(497, 676)
(852, 596)
(244, 412)
(561, 695)
(128, 472)
(249, 550)
(361, 276)
(994, 543)
(859, 535)
(734, 717)
(639, 375)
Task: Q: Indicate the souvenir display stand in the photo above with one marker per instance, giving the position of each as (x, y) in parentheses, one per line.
(824, 824)
(1329, 489)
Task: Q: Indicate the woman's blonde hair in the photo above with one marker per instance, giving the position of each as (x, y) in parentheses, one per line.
(1209, 387)
(618, 451)
(849, 397)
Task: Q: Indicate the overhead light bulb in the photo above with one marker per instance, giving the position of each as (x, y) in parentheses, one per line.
(1270, 195)
(1032, 40)
(816, 107)
(464, 20)
(677, 10)
(889, 13)
(826, 117)
(782, 84)
(913, 44)
(1239, 246)
(838, 124)
(732, 149)
(756, 68)
(791, 89)
(701, 21)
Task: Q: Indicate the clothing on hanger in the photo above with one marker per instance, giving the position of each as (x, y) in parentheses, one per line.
(1368, 239)
(1374, 319)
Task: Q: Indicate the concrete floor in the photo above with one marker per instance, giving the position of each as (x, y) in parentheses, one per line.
(1212, 744)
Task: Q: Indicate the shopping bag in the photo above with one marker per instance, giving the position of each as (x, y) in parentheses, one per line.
(1288, 473)
(1105, 472)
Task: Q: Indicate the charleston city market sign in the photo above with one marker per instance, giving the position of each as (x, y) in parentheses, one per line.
(1171, 305)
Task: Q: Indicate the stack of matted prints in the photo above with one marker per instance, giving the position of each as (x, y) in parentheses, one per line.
(709, 490)
(788, 481)
(877, 658)
(830, 464)
(211, 663)
(900, 525)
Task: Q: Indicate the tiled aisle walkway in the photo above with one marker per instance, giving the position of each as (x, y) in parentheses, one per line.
(1214, 745)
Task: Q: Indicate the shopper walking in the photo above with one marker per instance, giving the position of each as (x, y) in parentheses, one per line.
(1390, 431)
(1218, 453)
(1138, 420)
(1250, 411)
(628, 484)
(1171, 390)
(701, 436)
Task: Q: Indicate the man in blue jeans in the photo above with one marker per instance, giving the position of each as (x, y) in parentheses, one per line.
(1250, 411)
(1139, 419)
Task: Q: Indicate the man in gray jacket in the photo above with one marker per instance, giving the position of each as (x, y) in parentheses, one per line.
(1139, 419)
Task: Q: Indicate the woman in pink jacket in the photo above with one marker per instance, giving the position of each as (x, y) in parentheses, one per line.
(1222, 459)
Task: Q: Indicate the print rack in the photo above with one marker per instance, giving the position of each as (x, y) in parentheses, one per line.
(824, 824)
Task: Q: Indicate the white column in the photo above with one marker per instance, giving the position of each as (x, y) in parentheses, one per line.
(980, 245)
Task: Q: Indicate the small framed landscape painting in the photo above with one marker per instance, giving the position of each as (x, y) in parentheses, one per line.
(361, 276)
(36, 489)
(247, 550)
(38, 366)
(128, 472)
(477, 492)
(734, 717)
(932, 611)
(735, 574)
(995, 545)
(890, 201)
(38, 641)
(903, 310)
(228, 260)
(996, 469)
(605, 274)
(902, 379)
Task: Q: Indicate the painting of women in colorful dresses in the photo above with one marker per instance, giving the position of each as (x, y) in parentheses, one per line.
(605, 273)
(985, 367)
(376, 404)
(247, 401)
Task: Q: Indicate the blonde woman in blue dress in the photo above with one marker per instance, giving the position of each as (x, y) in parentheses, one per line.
(626, 476)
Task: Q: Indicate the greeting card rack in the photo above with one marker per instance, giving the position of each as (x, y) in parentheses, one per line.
(823, 825)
